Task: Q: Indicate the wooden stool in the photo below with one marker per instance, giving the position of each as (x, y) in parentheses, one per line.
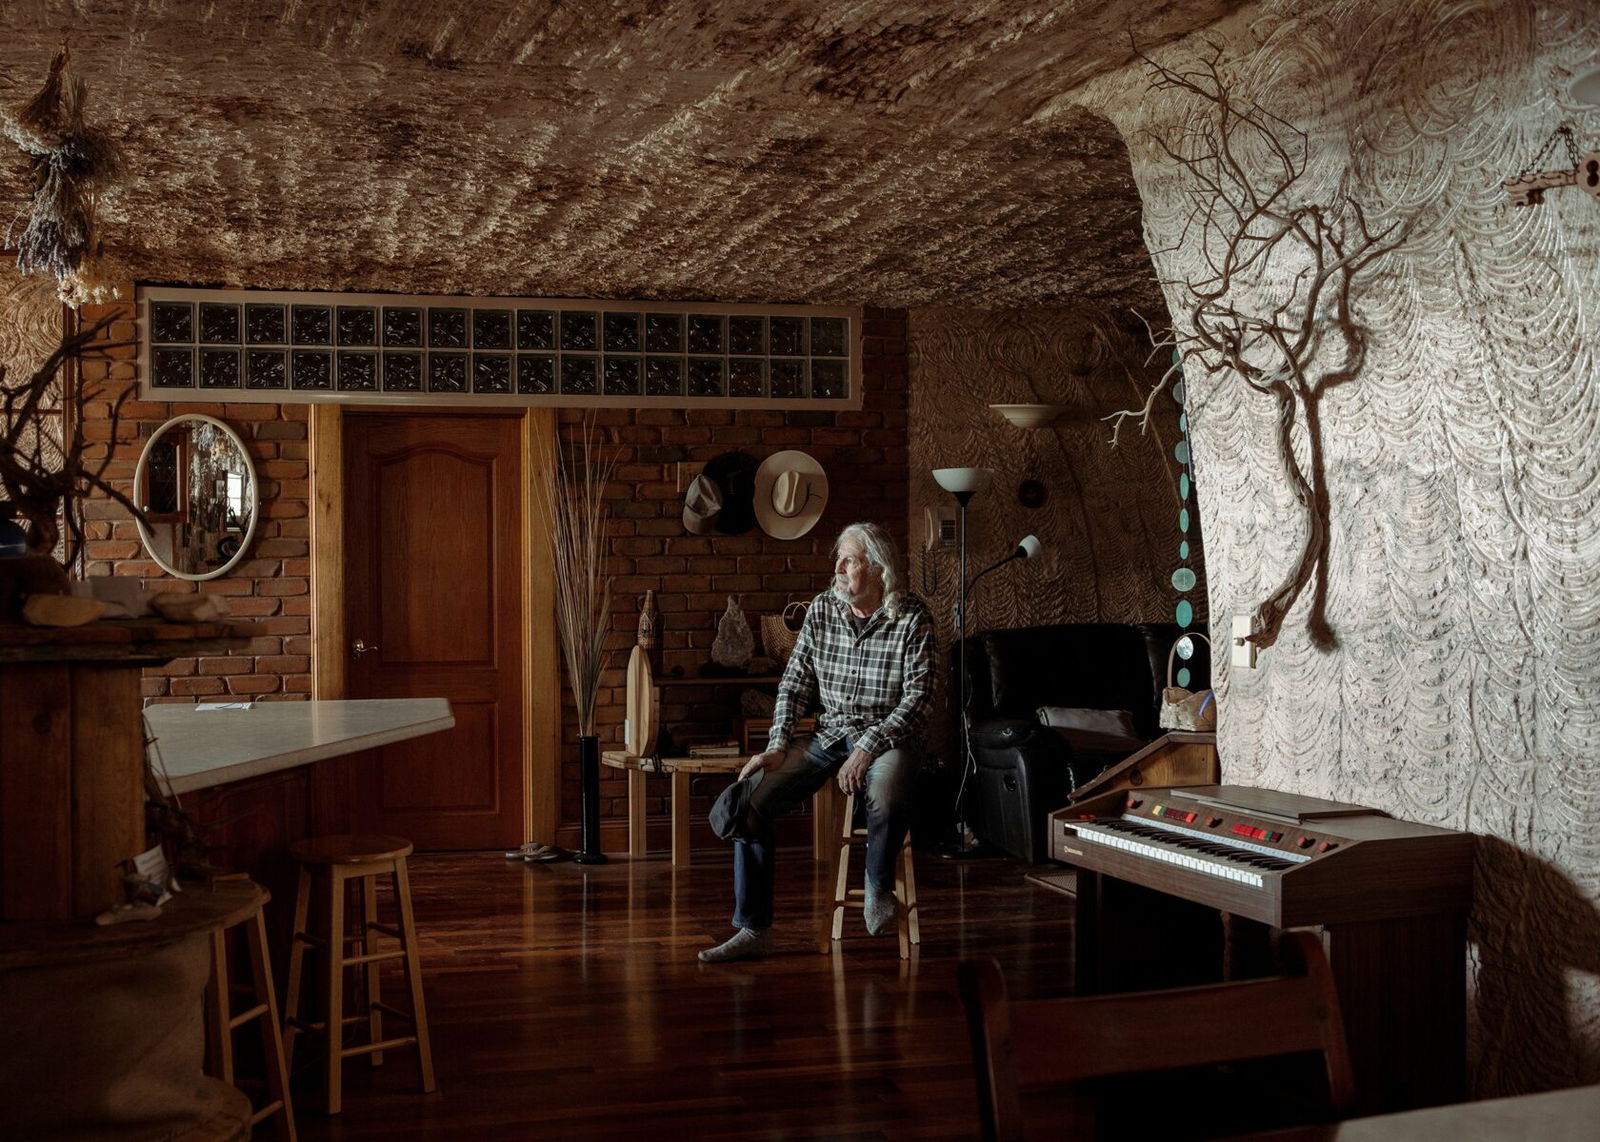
(905, 882)
(339, 862)
(221, 1022)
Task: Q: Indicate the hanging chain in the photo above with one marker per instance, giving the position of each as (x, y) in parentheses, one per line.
(1562, 132)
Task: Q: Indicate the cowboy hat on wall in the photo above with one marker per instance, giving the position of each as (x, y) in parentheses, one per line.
(791, 492)
(720, 497)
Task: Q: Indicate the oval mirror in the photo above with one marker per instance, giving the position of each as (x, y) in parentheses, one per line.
(197, 487)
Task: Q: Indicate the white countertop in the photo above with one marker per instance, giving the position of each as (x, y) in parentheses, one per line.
(201, 748)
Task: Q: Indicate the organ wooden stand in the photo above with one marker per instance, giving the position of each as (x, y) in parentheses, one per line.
(103, 1025)
(1183, 885)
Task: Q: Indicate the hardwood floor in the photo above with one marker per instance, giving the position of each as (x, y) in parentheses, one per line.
(566, 1003)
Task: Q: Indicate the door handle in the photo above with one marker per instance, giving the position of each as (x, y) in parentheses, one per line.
(358, 648)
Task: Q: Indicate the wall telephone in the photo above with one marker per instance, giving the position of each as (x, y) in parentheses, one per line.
(938, 535)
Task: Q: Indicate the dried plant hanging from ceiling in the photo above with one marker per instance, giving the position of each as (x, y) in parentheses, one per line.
(73, 163)
(1271, 305)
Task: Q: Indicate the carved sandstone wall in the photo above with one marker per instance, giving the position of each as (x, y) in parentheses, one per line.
(1110, 523)
(1463, 466)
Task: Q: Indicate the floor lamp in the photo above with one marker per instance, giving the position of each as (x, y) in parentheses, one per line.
(963, 484)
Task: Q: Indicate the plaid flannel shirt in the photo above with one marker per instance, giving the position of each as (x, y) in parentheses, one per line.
(875, 687)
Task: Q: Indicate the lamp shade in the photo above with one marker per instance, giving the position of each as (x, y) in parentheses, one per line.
(963, 480)
(1029, 415)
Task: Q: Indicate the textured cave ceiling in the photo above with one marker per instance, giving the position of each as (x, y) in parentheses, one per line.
(879, 153)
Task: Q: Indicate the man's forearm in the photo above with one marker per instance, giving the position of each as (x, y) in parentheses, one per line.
(904, 723)
(793, 696)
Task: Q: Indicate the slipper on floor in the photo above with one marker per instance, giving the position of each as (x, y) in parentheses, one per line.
(547, 855)
(531, 848)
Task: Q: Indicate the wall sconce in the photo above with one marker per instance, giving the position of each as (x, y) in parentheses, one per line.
(1030, 415)
(1586, 87)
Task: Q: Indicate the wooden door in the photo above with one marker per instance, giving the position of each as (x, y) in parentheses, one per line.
(433, 547)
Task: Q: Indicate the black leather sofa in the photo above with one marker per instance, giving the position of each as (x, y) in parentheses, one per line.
(1025, 769)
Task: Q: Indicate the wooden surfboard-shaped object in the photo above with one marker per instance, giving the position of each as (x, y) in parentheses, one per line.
(643, 706)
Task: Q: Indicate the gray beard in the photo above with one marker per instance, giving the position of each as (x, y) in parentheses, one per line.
(847, 599)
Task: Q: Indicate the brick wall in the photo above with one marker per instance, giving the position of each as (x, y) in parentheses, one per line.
(864, 454)
(270, 586)
(865, 457)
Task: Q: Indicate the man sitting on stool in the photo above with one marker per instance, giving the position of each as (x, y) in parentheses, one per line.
(865, 655)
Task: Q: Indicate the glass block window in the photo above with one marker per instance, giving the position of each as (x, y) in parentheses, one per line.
(266, 369)
(265, 325)
(358, 325)
(261, 345)
(219, 368)
(358, 372)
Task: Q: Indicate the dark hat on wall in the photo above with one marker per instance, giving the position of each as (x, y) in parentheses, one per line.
(722, 496)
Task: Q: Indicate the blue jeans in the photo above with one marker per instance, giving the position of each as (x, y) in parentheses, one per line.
(805, 769)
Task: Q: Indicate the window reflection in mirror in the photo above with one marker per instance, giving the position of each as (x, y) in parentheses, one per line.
(197, 488)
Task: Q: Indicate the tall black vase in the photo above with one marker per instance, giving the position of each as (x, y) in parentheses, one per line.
(589, 770)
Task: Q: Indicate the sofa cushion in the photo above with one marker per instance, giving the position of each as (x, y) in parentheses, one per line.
(1107, 666)
(1093, 731)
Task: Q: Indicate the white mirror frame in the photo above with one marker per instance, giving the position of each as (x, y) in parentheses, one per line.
(255, 498)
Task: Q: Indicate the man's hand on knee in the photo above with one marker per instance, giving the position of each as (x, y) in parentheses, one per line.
(853, 773)
(770, 759)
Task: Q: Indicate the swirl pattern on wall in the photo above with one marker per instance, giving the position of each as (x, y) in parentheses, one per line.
(1464, 466)
(1109, 525)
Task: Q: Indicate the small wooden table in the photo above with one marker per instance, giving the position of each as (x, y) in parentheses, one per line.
(681, 769)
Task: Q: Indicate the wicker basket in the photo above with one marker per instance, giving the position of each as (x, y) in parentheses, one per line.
(778, 635)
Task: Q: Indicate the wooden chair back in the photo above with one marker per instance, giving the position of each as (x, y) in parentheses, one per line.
(1047, 1042)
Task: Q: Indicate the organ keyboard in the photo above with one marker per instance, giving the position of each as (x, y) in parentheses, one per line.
(1279, 858)
(1165, 874)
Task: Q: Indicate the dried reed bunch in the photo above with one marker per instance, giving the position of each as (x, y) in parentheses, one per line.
(573, 500)
(72, 165)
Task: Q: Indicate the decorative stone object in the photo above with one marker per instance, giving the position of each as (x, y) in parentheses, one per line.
(126, 597)
(61, 610)
(177, 607)
(735, 641)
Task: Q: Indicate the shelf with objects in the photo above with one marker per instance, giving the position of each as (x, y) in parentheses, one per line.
(684, 727)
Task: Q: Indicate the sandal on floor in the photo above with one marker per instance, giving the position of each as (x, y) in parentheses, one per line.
(546, 854)
(529, 849)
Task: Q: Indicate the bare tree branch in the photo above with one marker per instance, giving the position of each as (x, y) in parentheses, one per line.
(44, 488)
(1270, 302)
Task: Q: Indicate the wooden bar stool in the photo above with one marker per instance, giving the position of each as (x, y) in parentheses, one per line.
(222, 1022)
(338, 863)
(851, 836)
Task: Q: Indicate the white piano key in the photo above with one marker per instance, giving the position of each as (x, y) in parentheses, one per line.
(1218, 868)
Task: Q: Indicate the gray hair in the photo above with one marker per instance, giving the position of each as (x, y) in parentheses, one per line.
(880, 552)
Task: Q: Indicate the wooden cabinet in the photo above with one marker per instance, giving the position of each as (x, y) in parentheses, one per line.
(111, 1015)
